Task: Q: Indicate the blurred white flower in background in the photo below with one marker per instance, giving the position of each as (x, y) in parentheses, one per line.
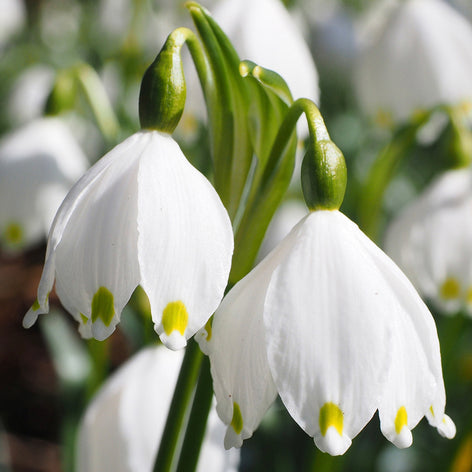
(39, 163)
(12, 19)
(122, 426)
(431, 240)
(420, 56)
(27, 99)
(264, 32)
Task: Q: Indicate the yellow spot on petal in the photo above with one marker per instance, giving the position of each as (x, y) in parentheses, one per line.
(401, 419)
(175, 317)
(103, 306)
(35, 305)
(13, 233)
(208, 329)
(450, 288)
(237, 421)
(431, 410)
(83, 318)
(331, 415)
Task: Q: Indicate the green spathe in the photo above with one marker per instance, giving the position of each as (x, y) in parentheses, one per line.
(324, 176)
(103, 306)
(163, 91)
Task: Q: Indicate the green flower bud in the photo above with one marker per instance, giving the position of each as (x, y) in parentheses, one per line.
(324, 176)
(162, 95)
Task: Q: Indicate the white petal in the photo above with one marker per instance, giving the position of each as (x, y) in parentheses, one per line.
(430, 240)
(185, 241)
(94, 237)
(122, 427)
(415, 379)
(325, 318)
(39, 163)
(408, 66)
(238, 357)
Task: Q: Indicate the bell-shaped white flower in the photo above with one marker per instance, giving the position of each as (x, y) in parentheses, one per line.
(431, 240)
(39, 163)
(123, 425)
(332, 325)
(408, 67)
(143, 215)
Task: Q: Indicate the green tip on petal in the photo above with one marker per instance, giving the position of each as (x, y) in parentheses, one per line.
(103, 306)
(35, 305)
(324, 176)
(237, 421)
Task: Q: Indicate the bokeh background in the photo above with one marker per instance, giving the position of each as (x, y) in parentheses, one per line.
(47, 374)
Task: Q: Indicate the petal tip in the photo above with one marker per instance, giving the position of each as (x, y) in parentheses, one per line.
(232, 439)
(446, 428)
(404, 439)
(174, 340)
(332, 442)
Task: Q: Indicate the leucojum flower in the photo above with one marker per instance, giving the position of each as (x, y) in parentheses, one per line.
(143, 215)
(405, 66)
(331, 324)
(431, 241)
(123, 424)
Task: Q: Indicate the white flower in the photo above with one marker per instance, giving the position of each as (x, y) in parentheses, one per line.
(143, 215)
(421, 58)
(330, 323)
(122, 427)
(431, 240)
(39, 163)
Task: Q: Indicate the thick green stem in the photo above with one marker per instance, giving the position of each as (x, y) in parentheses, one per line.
(178, 409)
(197, 422)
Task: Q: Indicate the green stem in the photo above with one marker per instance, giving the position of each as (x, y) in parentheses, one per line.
(98, 351)
(270, 185)
(177, 413)
(98, 101)
(197, 422)
(380, 175)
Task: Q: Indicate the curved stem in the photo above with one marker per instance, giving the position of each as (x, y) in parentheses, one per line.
(176, 417)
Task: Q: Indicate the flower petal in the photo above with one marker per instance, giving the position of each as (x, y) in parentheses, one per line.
(94, 239)
(184, 271)
(122, 427)
(325, 315)
(242, 382)
(415, 379)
